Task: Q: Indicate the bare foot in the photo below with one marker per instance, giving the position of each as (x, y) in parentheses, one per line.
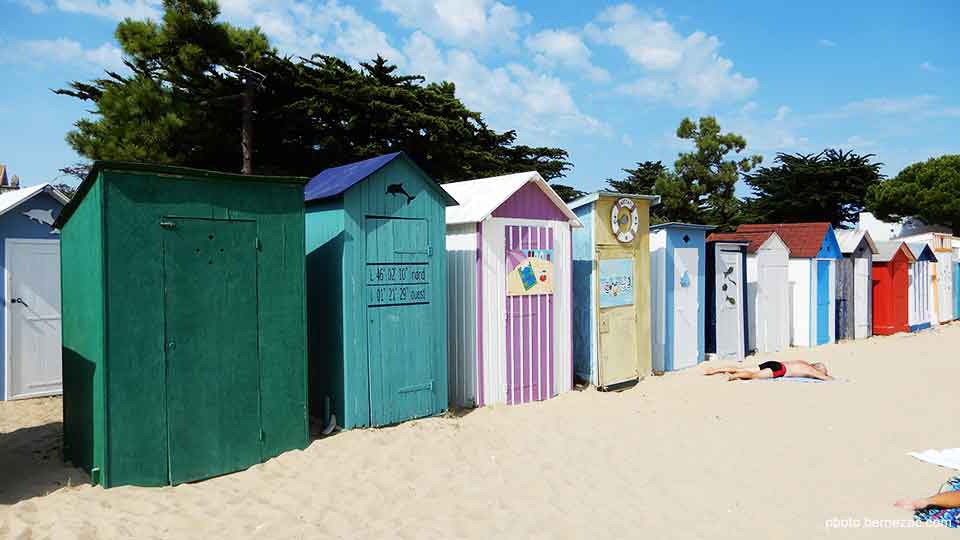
(912, 504)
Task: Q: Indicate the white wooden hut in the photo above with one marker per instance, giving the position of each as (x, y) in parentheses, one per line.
(920, 291)
(768, 290)
(509, 263)
(854, 318)
(941, 273)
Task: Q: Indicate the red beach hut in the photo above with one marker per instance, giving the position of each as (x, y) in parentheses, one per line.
(890, 283)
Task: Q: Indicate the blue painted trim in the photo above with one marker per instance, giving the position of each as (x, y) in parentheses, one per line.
(584, 316)
(918, 327)
(830, 248)
(697, 237)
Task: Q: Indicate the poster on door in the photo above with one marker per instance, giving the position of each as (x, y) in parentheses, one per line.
(529, 260)
(616, 282)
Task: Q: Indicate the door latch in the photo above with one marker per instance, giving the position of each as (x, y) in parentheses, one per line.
(168, 225)
(19, 300)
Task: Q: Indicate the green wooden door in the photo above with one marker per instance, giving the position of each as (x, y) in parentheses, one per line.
(400, 331)
(210, 314)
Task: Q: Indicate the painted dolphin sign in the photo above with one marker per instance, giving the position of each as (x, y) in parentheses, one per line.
(42, 216)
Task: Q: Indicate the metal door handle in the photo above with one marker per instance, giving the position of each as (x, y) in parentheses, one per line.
(19, 300)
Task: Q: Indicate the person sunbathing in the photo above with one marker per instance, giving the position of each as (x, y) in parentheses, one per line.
(774, 370)
(942, 508)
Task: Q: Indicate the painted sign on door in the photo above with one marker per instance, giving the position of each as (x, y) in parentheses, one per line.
(529, 315)
(529, 271)
(399, 320)
(686, 288)
(729, 304)
(616, 282)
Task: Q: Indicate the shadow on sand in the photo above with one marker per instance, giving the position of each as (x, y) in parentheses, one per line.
(31, 463)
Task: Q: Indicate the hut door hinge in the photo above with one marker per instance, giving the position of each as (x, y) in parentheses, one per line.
(262, 435)
(257, 245)
(429, 251)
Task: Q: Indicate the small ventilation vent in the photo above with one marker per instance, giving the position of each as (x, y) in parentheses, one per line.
(686, 239)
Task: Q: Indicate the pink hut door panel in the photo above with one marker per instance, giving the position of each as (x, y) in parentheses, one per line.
(529, 313)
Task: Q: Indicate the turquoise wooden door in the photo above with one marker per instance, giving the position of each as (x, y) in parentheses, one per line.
(823, 302)
(210, 335)
(401, 325)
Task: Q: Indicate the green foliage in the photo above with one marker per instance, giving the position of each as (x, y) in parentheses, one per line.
(181, 105)
(642, 180)
(830, 186)
(926, 190)
(701, 188)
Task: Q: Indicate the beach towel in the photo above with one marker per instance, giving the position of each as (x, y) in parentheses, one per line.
(949, 458)
(800, 380)
(948, 517)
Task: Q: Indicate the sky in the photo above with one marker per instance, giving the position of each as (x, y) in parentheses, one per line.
(609, 82)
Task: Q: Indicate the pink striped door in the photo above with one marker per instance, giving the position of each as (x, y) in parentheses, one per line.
(529, 339)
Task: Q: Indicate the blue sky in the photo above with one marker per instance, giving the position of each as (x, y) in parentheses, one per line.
(607, 81)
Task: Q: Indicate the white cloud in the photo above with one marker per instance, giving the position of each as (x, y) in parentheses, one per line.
(929, 66)
(510, 96)
(562, 47)
(113, 9)
(474, 24)
(767, 134)
(35, 6)
(827, 43)
(886, 105)
(687, 71)
(62, 51)
(327, 27)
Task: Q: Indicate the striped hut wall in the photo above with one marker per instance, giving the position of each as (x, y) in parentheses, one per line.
(531, 358)
(530, 326)
(462, 312)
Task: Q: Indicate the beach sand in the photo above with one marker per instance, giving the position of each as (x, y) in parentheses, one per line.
(678, 456)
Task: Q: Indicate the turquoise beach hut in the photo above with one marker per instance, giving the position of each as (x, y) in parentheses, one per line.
(678, 294)
(376, 292)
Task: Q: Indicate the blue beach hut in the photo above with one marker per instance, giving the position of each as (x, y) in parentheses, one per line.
(30, 259)
(678, 294)
(376, 292)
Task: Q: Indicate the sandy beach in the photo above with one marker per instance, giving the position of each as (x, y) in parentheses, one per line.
(678, 456)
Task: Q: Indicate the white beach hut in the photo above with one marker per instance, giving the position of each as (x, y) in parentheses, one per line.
(768, 290)
(854, 318)
(509, 263)
(920, 291)
(941, 273)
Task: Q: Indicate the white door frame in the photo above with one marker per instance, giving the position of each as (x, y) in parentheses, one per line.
(7, 313)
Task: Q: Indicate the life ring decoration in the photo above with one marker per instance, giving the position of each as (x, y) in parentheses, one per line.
(625, 220)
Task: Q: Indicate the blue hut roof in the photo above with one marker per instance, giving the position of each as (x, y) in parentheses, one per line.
(335, 180)
(678, 225)
(921, 251)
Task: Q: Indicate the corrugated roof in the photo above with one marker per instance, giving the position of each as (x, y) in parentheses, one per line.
(13, 198)
(333, 181)
(754, 240)
(886, 251)
(849, 239)
(803, 239)
(479, 198)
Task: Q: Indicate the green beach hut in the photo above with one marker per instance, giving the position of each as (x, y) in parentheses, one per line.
(376, 292)
(184, 331)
